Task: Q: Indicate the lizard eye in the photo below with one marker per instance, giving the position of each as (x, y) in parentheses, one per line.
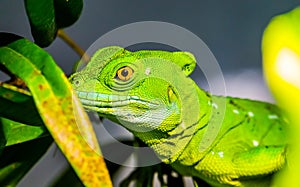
(124, 73)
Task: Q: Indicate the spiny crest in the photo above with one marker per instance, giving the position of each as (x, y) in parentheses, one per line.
(103, 56)
(185, 60)
(100, 59)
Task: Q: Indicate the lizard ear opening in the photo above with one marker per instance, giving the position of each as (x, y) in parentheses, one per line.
(186, 61)
(171, 95)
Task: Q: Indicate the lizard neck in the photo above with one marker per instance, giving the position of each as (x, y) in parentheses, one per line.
(195, 115)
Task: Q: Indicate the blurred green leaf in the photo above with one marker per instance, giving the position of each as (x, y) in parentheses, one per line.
(281, 54)
(47, 16)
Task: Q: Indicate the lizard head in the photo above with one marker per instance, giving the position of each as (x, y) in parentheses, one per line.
(136, 89)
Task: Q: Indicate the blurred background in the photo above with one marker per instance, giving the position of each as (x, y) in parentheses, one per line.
(231, 29)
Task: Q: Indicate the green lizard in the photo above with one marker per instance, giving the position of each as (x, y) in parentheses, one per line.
(150, 94)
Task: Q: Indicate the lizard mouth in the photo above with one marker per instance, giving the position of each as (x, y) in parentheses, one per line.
(96, 101)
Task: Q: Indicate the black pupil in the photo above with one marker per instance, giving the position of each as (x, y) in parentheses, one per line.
(124, 72)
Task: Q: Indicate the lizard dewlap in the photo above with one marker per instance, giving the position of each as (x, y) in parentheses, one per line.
(151, 94)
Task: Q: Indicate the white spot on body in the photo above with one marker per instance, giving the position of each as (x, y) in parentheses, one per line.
(272, 116)
(182, 125)
(250, 114)
(236, 111)
(215, 105)
(134, 97)
(148, 71)
(221, 154)
(255, 143)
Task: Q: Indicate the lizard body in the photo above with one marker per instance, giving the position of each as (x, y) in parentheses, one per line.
(150, 94)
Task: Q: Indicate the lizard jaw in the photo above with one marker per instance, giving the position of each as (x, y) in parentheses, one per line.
(132, 112)
(106, 102)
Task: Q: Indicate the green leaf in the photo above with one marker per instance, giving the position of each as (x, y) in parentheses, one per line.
(59, 108)
(17, 160)
(16, 133)
(47, 16)
(5, 39)
(41, 16)
(69, 178)
(17, 104)
(67, 12)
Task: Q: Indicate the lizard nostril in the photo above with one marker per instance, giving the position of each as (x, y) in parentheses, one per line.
(77, 83)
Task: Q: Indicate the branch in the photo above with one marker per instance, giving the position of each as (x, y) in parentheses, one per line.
(85, 57)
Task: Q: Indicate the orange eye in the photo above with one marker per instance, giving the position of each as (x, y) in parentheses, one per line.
(124, 73)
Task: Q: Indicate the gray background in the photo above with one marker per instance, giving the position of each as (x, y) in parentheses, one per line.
(232, 30)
